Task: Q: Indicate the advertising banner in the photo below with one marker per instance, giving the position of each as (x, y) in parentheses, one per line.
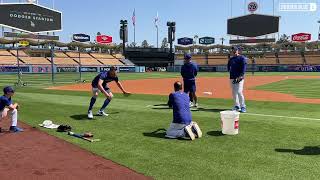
(104, 39)
(41, 69)
(81, 37)
(9, 69)
(185, 41)
(67, 69)
(89, 69)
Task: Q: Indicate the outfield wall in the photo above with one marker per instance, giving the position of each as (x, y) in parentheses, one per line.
(256, 68)
(65, 69)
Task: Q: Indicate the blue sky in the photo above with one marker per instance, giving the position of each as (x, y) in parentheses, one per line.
(192, 17)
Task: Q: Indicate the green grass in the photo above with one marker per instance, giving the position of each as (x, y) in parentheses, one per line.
(43, 80)
(303, 88)
(127, 134)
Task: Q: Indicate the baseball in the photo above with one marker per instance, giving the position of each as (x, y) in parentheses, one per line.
(207, 93)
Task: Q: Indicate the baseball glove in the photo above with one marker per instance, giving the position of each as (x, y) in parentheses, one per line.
(237, 80)
(64, 128)
(87, 134)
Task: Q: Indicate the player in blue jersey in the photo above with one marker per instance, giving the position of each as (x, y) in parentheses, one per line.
(8, 108)
(182, 124)
(100, 84)
(189, 71)
(237, 67)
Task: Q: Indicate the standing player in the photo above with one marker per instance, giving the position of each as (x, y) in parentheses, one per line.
(189, 71)
(253, 65)
(237, 68)
(7, 107)
(99, 84)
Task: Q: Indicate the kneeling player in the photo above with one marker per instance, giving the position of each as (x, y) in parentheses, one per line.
(182, 125)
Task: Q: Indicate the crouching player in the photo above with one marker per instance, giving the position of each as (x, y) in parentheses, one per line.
(100, 84)
(8, 108)
(182, 125)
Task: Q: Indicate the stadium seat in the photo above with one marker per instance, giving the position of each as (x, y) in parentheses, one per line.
(290, 59)
(88, 61)
(9, 60)
(217, 60)
(312, 59)
(5, 53)
(21, 53)
(64, 61)
(35, 60)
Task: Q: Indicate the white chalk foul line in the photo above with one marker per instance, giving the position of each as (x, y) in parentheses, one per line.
(290, 117)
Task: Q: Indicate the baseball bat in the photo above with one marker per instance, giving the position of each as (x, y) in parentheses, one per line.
(84, 138)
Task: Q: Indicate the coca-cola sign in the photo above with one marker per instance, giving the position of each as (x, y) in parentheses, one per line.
(301, 37)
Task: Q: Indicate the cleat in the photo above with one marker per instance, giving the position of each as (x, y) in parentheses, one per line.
(90, 115)
(15, 129)
(236, 108)
(196, 130)
(188, 132)
(102, 113)
(243, 110)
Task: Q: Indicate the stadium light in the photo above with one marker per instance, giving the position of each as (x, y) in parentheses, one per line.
(171, 35)
(124, 34)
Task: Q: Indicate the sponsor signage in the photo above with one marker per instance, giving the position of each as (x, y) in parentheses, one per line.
(41, 69)
(252, 7)
(104, 39)
(206, 40)
(14, 69)
(30, 36)
(89, 69)
(207, 69)
(185, 41)
(81, 37)
(301, 37)
(66, 69)
(30, 18)
(107, 69)
(127, 69)
(23, 43)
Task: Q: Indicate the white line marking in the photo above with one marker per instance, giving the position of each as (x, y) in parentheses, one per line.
(290, 117)
(148, 105)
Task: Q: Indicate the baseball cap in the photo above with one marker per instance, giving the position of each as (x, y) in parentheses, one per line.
(236, 48)
(8, 89)
(48, 124)
(187, 56)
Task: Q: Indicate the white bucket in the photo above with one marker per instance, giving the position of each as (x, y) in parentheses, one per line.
(230, 122)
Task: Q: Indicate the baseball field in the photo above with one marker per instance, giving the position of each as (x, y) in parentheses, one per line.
(278, 138)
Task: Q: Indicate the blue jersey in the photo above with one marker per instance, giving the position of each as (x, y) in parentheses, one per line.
(237, 66)
(4, 101)
(105, 77)
(179, 101)
(189, 71)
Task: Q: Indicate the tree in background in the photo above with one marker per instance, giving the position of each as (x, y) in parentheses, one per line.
(283, 39)
(133, 44)
(145, 44)
(164, 43)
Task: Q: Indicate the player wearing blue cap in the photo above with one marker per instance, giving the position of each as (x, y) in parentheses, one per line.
(237, 68)
(189, 72)
(8, 108)
(100, 84)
